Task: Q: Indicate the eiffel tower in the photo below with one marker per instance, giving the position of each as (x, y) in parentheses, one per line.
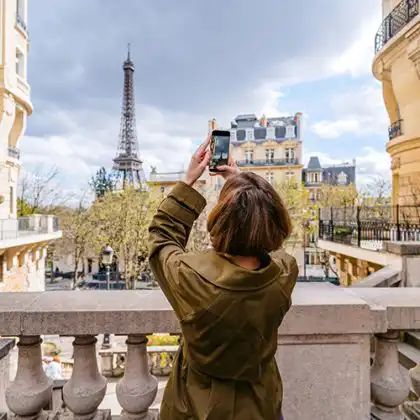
(128, 166)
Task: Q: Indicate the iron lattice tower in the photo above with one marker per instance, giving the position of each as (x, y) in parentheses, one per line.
(127, 164)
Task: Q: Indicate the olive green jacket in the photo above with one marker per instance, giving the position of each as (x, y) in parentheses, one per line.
(225, 368)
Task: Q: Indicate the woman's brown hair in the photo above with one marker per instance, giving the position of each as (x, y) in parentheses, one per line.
(250, 218)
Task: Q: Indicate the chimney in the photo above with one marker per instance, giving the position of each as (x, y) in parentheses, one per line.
(212, 125)
(263, 121)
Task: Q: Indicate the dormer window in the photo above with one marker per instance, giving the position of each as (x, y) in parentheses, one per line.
(342, 178)
(250, 135)
(290, 131)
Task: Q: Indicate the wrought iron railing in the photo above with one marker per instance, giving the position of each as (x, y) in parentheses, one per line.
(403, 14)
(395, 130)
(13, 152)
(370, 227)
(21, 22)
(267, 162)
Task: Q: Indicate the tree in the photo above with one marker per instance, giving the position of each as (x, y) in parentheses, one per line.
(76, 225)
(336, 196)
(121, 220)
(102, 183)
(199, 239)
(38, 191)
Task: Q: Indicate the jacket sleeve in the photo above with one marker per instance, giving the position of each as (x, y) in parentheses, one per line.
(168, 236)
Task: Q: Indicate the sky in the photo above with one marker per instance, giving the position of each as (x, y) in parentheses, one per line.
(197, 60)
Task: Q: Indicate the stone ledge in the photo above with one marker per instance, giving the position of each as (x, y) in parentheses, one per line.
(401, 305)
(385, 277)
(403, 248)
(319, 308)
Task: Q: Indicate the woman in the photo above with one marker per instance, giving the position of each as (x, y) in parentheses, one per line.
(230, 300)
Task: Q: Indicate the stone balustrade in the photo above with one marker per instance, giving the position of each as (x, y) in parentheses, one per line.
(324, 351)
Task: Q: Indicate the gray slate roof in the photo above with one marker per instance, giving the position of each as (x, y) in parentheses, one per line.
(330, 173)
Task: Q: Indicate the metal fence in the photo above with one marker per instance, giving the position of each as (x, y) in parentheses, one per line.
(370, 227)
(403, 14)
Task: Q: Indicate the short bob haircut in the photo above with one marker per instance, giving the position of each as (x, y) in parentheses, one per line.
(249, 219)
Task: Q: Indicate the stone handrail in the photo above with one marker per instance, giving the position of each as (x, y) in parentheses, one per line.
(323, 341)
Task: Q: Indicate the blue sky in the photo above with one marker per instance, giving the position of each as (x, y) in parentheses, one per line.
(195, 61)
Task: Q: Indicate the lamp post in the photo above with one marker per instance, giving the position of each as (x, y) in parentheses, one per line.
(107, 257)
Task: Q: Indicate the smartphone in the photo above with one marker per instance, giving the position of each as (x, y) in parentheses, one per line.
(219, 149)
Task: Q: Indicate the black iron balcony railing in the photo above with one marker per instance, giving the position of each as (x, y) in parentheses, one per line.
(21, 22)
(403, 14)
(370, 227)
(13, 152)
(395, 130)
(267, 162)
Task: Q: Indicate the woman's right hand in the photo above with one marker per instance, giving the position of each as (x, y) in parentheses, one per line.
(227, 171)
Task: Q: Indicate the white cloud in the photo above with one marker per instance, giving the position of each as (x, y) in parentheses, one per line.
(356, 59)
(268, 96)
(358, 112)
(166, 140)
(335, 129)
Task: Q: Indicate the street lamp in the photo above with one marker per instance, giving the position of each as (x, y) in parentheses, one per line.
(107, 257)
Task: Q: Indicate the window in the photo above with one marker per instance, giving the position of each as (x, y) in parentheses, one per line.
(21, 13)
(233, 135)
(290, 176)
(290, 155)
(269, 176)
(290, 131)
(11, 201)
(269, 155)
(20, 8)
(316, 177)
(249, 156)
(341, 178)
(250, 135)
(20, 64)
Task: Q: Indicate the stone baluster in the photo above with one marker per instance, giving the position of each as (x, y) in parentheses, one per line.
(31, 390)
(86, 388)
(137, 389)
(389, 386)
(411, 409)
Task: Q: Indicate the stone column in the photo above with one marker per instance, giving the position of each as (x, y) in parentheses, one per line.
(389, 385)
(6, 345)
(86, 388)
(137, 389)
(411, 409)
(31, 390)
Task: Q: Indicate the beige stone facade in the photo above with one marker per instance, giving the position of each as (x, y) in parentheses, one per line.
(397, 66)
(23, 241)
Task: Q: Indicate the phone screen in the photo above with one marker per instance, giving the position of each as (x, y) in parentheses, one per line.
(219, 149)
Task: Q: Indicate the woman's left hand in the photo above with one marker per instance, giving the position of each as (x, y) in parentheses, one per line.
(198, 163)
